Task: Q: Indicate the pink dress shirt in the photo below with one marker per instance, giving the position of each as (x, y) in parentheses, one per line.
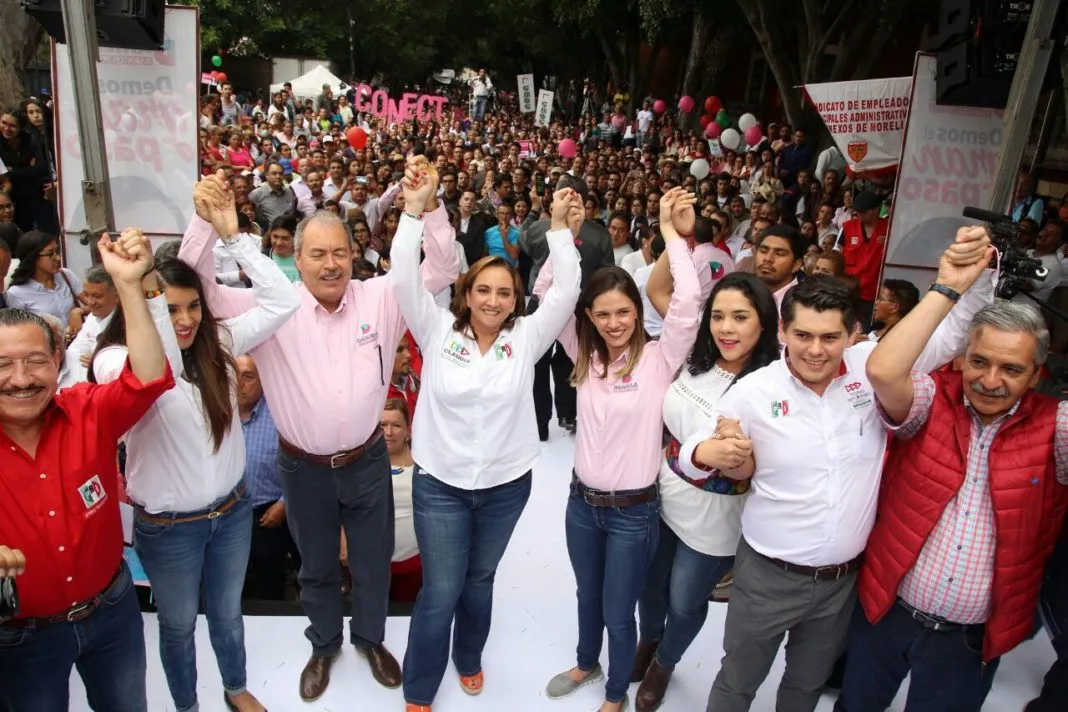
(618, 445)
(326, 375)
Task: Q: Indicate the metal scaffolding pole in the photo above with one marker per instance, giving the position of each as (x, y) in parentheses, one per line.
(79, 22)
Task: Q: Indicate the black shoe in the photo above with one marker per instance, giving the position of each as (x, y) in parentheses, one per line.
(543, 432)
(568, 424)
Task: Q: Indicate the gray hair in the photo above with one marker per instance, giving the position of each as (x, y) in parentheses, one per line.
(1011, 316)
(326, 219)
(99, 275)
(18, 317)
(168, 251)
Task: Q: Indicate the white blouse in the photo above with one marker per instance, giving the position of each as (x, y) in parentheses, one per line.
(475, 427)
(405, 545)
(707, 522)
(35, 297)
(172, 465)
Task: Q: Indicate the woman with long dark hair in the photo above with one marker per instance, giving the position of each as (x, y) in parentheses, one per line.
(185, 467)
(613, 514)
(28, 171)
(41, 284)
(700, 512)
(278, 244)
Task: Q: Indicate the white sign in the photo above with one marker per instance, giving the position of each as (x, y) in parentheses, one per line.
(525, 83)
(148, 103)
(544, 111)
(948, 161)
(866, 119)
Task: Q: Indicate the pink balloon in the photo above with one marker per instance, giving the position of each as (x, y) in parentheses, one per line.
(713, 130)
(753, 135)
(686, 104)
(567, 148)
(659, 106)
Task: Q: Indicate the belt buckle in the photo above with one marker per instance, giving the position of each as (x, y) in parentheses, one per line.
(214, 514)
(335, 457)
(74, 612)
(838, 570)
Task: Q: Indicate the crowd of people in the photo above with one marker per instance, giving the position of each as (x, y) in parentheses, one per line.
(346, 368)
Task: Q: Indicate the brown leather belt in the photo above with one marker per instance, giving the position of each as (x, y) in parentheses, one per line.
(215, 513)
(73, 614)
(833, 572)
(338, 459)
(620, 499)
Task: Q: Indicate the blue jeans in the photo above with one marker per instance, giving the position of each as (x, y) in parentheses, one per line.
(480, 108)
(610, 551)
(462, 536)
(946, 668)
(182, 560)
(108, 648)
(674, 604)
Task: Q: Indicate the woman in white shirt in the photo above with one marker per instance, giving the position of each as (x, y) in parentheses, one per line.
(185, 467)
(39, 284)
(700, 511)
(406, 571)
(475, 435)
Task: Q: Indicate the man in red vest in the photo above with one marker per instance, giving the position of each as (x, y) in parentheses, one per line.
(971, 504)
(864, 247)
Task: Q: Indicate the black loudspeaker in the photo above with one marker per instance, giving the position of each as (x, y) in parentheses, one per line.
(133, 24)
(979, 43)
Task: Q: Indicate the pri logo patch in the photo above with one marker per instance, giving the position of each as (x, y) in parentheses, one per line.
(502, 351)
(780, 408)
(717, 270)
(92, 492)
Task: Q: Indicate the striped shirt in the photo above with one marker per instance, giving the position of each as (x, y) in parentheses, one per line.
(261, 456)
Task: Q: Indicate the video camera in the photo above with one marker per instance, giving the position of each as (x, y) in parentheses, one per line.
(1017, 267)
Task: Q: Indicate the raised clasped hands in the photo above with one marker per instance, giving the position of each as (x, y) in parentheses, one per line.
(966, 259)
(677, 215)
(567, 211)
(128, 258)
(419, 185)
(215, 203)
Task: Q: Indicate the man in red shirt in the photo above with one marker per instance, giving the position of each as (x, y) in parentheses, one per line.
(60, 529)
(864, 247)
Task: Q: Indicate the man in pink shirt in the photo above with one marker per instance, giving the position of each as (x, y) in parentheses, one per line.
(326, 375)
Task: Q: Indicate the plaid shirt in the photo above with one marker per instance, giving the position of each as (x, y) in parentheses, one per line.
(953, 575)
(261, 456)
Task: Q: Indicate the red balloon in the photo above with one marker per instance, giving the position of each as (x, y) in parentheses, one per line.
(705, 120)
(214, 74)
(713, 105)
(713, 130)
(220, 77)
(356, 137)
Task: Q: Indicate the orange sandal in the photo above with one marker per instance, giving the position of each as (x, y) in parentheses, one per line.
(412, 707)
(472, 684)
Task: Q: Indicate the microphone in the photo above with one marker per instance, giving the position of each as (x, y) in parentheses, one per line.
(984, 215)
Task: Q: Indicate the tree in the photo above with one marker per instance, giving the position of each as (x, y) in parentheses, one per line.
(795, 36)
(19, 36)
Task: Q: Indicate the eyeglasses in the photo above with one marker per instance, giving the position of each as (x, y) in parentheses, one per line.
(48, 255)
(33, 362)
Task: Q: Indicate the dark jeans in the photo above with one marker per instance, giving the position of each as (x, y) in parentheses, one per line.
(319, 500)
(462, 536)
(610, 551)
(108, 648)
(946, 668)
(184, 561)
(674, 603)
(268, 559)
(556, 362)
(1053, 606)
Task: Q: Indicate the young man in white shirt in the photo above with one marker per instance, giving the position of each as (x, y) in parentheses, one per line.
(646, 117)
(812, 442)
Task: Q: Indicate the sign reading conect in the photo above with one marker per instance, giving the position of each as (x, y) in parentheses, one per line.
(148, 104)
(423, 107)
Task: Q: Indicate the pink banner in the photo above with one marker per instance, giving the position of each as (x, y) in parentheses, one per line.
(420, 106)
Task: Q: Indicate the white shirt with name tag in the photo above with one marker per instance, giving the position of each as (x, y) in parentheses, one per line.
(475, 426)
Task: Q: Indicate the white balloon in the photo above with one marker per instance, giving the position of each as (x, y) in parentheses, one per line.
(746, 121)
(730, 139)
(699, 169)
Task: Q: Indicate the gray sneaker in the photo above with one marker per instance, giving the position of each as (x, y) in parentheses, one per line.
(562, 685)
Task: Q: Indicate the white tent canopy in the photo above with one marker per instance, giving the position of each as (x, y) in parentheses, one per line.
(311, 83)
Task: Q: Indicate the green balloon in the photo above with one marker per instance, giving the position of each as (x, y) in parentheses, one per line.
(216, 61)
(722, 119)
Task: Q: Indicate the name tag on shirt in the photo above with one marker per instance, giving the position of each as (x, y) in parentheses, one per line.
(627, 384)
(367, 335)
(455, 352)
(858, 396)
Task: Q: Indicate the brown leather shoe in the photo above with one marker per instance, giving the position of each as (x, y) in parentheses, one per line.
(642, 657)
(651, 692)
(316, 676)
(384, 666)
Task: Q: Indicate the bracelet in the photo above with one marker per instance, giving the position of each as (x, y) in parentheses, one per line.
(413, 217)
(153, 294)
(945, 291)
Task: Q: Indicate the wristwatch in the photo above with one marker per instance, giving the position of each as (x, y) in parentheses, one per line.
(413, 217)
(950, 294)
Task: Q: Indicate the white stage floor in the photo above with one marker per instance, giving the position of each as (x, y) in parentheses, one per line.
(533, 638)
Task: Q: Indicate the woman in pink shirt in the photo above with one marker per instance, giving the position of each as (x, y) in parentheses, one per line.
(240, 158)
(613, 514)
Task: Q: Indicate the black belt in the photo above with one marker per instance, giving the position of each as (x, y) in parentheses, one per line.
(935, 623)
(72, 614)
(618, 499)
(834, 572)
